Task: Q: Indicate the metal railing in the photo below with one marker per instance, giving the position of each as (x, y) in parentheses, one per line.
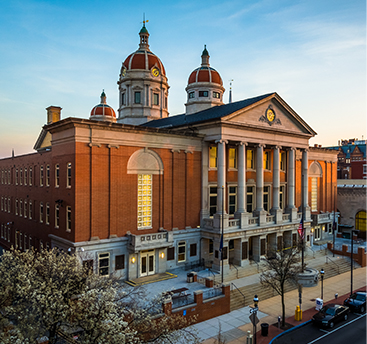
(238, 290)
(183, 301)
(213, 292)
(337, 266)
(236, 270)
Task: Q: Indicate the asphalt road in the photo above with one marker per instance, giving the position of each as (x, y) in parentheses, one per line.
(352, 331)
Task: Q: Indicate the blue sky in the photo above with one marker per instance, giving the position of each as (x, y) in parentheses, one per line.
(63, 53)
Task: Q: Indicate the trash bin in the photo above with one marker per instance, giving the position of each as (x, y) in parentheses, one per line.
(264, 329)
(190, 277)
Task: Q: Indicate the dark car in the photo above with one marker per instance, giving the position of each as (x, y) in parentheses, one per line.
(330, 314)
(356, 302)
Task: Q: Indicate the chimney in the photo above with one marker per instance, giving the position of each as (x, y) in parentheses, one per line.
(53, 114)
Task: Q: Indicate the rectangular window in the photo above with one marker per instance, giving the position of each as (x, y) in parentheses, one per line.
(281, 197)
(216, 95)
(9, 205)
(266, 197)
(41, 175)
(211, 246)
(212, 157)
(244, 250)
(203, 93)
(41, 212)
(193, 249)
(57, 175)
(57, 216)
(155, 99)
(170, 253)
(120, 262)
(181, 257)
(250, 164)
(30, 213)
(68, 180)
(213, 200)
(123, 99)
(267, 160)
(314, 194)
(47, 175)
(47, 219)
(2, 203)
(9, 176)
(232, 158)
(145, 200)
(191, 95)
(25, 176)
(16, 207)
(25, 208)
(104, 264)
(250, 198)
(232, 199)
(30, 176)
(5, 203)
(282, 161)
(20, 208)
(21, 177)
(16, 177)
(68, 219)
(137, 97)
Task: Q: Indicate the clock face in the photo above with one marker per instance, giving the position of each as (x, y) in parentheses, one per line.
(155, 71)
(270, 115)
(123, 72)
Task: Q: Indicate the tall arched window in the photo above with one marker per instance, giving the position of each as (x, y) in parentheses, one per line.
(361, 223)
(314, 172)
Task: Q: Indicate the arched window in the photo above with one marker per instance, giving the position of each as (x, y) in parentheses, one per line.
(314, 172)
(361, 223)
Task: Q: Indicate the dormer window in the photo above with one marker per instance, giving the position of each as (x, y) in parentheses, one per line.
(203, 93)
(191, 95)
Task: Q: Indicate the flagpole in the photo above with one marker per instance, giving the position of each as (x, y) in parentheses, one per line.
(222, 239)
(303, 218)
(334, 224)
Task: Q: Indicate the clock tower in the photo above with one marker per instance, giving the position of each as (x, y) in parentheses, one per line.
(143, 86)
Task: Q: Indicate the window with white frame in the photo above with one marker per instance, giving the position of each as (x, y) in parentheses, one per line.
(213, 157)
(181, 249)
(68, 176)
(57, 215)
(30, 176)
(16, 176)
(232, 200)
(104, 264)
(266, 197)
(20, 208)
(21, 176)
(145, 200)
(41, 212)
(25, 208)
(314, 194)
(232, 158)
(30, 212)
(5, 203)
(9, 205)
(68, 219)
(25, 176)
(267, 160)
(282, 161)
(57, 175)
(47, 175)
(250, 159)
(250, 199)
(281, 197)
(16, 207)
(41, 175)
(212, 200)
(47, 215)
(2, 203)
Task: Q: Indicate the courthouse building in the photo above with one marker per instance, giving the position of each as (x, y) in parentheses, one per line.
(138, 192)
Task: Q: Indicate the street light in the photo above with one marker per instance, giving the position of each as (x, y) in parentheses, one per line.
(352, 231)
(255, 309)
(322, 283)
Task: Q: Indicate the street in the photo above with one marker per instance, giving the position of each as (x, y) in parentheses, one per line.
(353, 330)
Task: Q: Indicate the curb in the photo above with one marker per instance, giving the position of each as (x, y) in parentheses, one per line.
(290, 330)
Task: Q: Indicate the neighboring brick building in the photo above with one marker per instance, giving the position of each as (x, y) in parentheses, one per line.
(352, 163)
(142, 194)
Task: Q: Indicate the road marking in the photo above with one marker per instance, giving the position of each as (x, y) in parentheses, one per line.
(314, 341)
(324, 330)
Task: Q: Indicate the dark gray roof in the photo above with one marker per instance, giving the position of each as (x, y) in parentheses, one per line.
(212, 113)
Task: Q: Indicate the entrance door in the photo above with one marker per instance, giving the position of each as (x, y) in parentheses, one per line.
(147, 263)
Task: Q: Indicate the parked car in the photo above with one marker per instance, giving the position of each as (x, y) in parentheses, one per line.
(356, 302)
(330, 314)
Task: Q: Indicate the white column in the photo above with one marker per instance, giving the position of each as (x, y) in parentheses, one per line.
(276, 177)
(306, 208)
(221, 175)
(259, 177)
(291, 177)
(241, 187)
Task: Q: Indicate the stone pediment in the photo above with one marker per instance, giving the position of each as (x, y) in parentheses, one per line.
(271, 113)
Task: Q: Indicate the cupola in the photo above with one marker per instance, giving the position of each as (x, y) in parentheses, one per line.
(102, 111)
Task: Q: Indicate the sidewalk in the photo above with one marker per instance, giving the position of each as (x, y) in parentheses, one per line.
(234, 325)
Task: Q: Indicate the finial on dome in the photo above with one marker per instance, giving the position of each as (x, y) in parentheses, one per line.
(103, 97)
(205, 57)
(230, 91)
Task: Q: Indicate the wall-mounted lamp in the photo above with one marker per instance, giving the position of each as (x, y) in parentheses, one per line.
(162, 255)
(133, 260)
(311, 230)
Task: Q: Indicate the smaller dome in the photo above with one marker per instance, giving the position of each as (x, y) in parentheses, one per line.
(205, 74)
(102, 111)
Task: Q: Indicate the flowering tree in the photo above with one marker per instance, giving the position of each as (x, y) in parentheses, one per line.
(49, 293)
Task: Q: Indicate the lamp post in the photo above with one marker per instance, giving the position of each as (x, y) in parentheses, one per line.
(352, 231)
(322, 283)
(255, 309)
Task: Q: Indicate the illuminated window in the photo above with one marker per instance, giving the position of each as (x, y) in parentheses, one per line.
(181, 257)
(232, 158)
(68, 219)
(57, 175)
(41, 175)
(145, 200)
(250, 159)
(361, 223)
(216, 95)
(104, 264)
(267, 160)
(213, 157)
(68, 180)
(282, 161)
(314, 194)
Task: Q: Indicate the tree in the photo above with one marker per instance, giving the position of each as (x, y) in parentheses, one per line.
(279, 268)
(50, 292)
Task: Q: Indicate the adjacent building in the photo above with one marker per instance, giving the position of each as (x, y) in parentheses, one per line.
(143, 192)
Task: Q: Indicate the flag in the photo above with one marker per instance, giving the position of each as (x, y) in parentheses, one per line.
(300, 229)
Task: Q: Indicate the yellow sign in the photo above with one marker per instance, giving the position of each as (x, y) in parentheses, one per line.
(270, 115)
(155, 71)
